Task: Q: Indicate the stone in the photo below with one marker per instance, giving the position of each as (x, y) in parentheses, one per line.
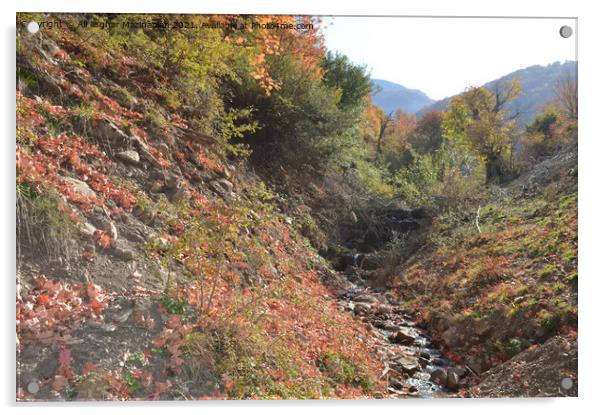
(452, 381)
(80, 187)
(112, 230)
(129, 156)
(123, 251)
(87, 228)
(362, 308)
(48, 367)
(460, 371)
(439, 376)
(173, 181)
(407, 364)
(401, 337)
(396, 384)
(383, 309)
(364, 298)
(222, 186)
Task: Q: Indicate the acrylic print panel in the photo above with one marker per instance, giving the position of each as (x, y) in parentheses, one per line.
(295, 207)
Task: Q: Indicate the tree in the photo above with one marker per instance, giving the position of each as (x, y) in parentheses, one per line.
(566, 94)
(428, 135)
(478, 120)
(384, 123)
(352, 81)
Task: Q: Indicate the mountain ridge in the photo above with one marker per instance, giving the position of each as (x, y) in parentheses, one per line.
(391, 96)
(536, 83)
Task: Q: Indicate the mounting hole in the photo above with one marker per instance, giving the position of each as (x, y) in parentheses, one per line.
(33, 387)
(566, 383)
(33, 27)
(566, 31)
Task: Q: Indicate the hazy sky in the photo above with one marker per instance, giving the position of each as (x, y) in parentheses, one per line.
(442, 56)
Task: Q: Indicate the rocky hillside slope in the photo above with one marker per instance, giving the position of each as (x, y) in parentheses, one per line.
(149, 268)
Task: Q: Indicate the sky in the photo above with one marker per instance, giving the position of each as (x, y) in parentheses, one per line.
(443, 56)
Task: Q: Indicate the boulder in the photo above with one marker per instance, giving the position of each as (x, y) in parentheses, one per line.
(439, 376)
(87, 228)
(129, 156)
(123, 251)
(222, 186)
(80, 187)
(452, 381)
(460, 371)
(401, 337)
(361, 308)
(406, 364)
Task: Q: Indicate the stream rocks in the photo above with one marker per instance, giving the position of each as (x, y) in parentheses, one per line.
(413, 367)
(401, 337)
(450, 378)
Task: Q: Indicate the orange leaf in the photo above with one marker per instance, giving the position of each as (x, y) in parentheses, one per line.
(59, 382)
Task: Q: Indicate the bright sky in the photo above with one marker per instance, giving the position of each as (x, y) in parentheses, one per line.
(442, 56)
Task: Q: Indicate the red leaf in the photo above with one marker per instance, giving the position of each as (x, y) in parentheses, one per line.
(65, 358)
(88, 367)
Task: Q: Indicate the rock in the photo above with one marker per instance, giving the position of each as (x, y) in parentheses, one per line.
(48, 367)
(362, 308)
(112, 230)
(364, 298)
(396, 384)
(145, 152)
(87, 228)
(452, 380)
(123, 251)
(122, 316)
(406, 364)
(401, 337)
(460, 371)
(383, 309)
(129, 156)
(173, 181)
(80, 187)
(439, 376)
(222, 186)
(425, 355)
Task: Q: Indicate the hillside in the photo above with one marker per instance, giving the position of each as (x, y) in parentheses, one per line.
(537, 83)
(391, 96)
(224, 214)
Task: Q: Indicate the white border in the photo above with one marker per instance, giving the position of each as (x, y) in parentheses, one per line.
(590, 155)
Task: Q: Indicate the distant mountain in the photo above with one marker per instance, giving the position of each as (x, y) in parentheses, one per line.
(538, 88)
(391, 96)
